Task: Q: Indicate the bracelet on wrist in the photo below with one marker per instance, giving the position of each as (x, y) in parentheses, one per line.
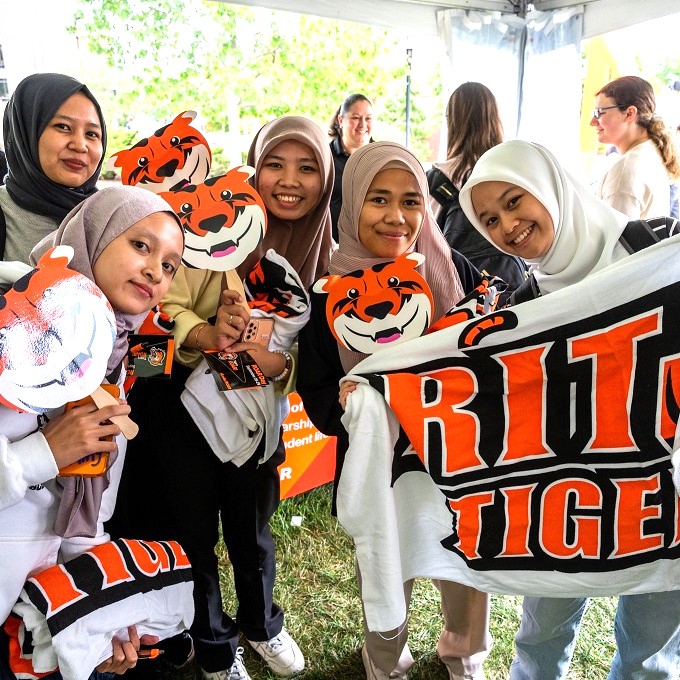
(199, 328)
(286, 369)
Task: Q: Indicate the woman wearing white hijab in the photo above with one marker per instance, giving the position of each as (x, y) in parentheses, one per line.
(521, 199)
(586, 231)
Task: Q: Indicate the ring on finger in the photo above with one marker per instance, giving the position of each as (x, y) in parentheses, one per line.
(231, 316)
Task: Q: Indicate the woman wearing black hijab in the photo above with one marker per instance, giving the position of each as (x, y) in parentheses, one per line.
(55, 140)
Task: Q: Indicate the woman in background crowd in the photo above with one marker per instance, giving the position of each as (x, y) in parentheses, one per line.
(473, 127)
(638, 184)
(350, 129)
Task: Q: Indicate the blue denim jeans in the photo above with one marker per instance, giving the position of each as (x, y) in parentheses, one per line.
(646, 628)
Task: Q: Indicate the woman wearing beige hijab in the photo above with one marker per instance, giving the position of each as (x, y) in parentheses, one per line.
(294, 176)
(193, 490)
(385, 213)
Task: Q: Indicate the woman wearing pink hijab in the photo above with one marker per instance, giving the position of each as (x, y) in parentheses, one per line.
(385, 213)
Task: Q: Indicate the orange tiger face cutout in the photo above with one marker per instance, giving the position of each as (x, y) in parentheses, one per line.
(56, 335)
(175, 155)
(224, 220)
(378, 307)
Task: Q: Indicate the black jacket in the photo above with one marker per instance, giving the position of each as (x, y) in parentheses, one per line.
(340, 157)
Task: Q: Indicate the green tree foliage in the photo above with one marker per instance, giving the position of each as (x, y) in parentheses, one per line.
(669, 74)
(172, 55)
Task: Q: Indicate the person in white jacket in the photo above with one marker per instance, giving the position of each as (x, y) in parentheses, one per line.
(638, 183)
(129, 242)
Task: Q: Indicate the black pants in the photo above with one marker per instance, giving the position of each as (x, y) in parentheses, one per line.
(5, 672)
(174, 487)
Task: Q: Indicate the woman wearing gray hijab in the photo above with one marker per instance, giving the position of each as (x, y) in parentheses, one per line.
(385, 214)
(90, 228)
(129, 242)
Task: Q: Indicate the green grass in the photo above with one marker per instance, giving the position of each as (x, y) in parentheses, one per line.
(317, 589)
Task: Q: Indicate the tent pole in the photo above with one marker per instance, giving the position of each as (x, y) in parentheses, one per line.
(409, 53)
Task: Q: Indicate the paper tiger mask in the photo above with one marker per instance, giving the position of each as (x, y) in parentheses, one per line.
(56, 335)
(175, 155)
(372, 308)
(224, 219)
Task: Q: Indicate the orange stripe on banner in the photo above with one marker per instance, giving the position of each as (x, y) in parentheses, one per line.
(320, 470)
(21, 666)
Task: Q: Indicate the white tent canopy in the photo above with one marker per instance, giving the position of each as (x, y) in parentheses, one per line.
(420, 16)
(527, 53)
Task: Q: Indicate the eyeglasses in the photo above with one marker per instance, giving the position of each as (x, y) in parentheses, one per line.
(598, 111)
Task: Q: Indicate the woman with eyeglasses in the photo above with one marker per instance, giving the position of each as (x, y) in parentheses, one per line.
(638, 184)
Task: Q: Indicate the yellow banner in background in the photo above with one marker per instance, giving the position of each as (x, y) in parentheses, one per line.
(601, 67)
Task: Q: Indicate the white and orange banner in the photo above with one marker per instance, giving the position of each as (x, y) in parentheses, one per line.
(529, 451)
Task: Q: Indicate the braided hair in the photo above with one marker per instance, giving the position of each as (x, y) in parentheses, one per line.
(634, 91)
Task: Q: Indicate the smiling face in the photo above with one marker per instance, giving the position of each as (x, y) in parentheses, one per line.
(136, 269)
(516, 221)
(356, 125)
(175, 155)
(224, 220)
(613, 125)
(289, 180)
(70, 146)
(392, 213)
(378, 307)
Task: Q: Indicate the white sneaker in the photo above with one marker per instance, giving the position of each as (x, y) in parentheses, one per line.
(281, 653)
(236, 672)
